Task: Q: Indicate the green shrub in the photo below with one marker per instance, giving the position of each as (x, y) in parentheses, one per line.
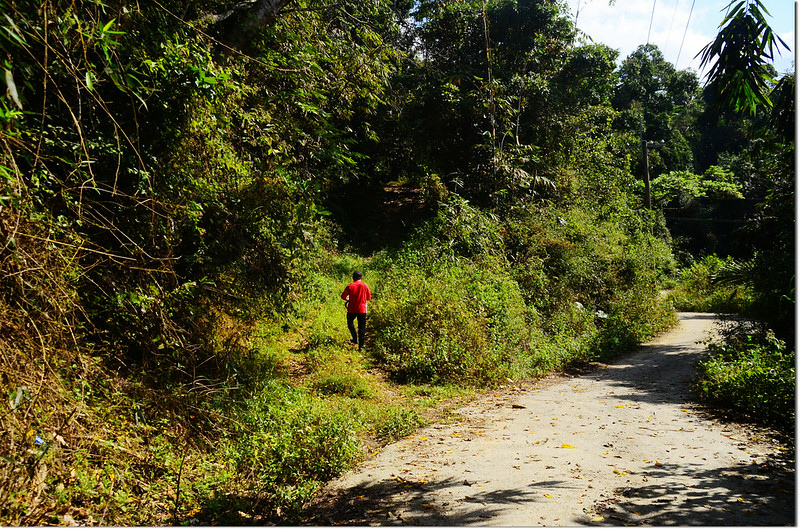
(396, 423)
(635, 315)
(449, 321)
(460, 306)
(347, 385)
(284, 445)
(591, 277)
(447, 309)
(753, 374)
(699, 290)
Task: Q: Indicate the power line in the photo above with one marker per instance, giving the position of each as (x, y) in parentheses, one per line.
(651, 21)
(669, 31)
(684, 34)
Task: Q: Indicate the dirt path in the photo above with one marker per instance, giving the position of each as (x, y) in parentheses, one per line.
(622, 445)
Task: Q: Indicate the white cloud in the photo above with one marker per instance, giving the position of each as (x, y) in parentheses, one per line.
(624, 26)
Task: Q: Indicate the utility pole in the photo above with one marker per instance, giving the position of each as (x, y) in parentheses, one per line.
(648, 203)
(646, 146)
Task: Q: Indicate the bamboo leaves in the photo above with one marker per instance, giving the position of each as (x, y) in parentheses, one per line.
(739, 75)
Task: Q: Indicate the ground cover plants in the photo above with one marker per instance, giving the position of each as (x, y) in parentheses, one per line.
(182, 196)
(751, 372)
(304, 408)
(702, 287)
(304, 404)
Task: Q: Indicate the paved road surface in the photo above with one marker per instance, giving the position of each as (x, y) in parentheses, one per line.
(622, 445)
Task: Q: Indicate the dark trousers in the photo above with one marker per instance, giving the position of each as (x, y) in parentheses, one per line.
(362, 327)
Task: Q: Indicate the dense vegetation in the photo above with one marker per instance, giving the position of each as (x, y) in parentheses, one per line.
(186, 187)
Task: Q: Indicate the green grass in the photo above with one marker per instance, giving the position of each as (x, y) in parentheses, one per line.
(697, 291)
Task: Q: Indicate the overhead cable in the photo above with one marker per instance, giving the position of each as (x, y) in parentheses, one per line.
(684, 34)
(651, 21)
(669, 31)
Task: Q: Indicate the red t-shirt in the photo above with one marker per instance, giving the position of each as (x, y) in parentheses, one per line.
(358, 293)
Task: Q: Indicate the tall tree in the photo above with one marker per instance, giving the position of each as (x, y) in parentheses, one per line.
(477, 88)
(654, 99)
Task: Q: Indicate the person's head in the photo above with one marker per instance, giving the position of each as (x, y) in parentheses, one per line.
(356, 276)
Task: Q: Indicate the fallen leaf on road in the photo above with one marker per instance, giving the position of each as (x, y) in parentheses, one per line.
(619, 406)
(547, 496)
(598, 519)
(685, 410)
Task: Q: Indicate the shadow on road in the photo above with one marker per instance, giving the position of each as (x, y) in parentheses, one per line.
(740, 495)
(401, 502)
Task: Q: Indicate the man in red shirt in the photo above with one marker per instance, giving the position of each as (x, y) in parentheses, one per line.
(357, 294)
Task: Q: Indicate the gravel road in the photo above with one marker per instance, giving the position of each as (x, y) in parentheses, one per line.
(620, 445)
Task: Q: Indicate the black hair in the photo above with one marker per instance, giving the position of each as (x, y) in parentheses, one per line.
(356, 275)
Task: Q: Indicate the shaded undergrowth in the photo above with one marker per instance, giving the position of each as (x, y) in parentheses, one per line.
(751, 373)
(91, 440)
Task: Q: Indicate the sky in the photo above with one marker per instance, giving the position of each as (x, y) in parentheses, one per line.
(625, 25)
